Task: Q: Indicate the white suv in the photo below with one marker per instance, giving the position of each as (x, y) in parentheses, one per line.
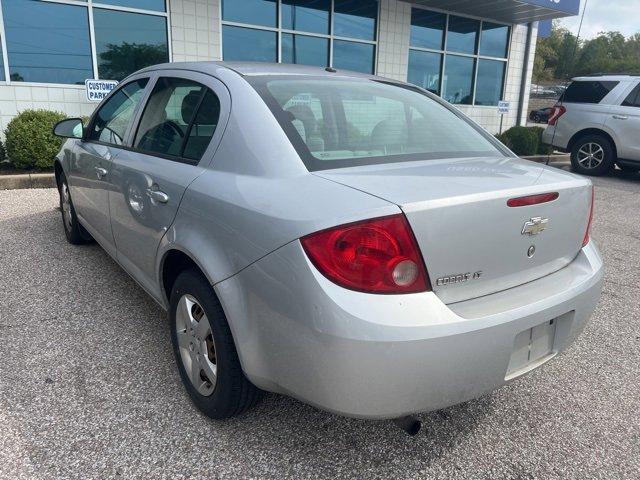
(597, 120)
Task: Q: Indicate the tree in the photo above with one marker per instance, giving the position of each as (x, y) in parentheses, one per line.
(562, 56)
(118, 61)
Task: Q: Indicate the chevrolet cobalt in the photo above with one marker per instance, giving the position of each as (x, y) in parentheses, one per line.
(348, 240)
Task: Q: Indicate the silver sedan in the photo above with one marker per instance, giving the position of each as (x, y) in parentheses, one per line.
(349, 240)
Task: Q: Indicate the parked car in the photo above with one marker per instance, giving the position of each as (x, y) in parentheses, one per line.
(351, 241)
(541, 115)
(597, 120)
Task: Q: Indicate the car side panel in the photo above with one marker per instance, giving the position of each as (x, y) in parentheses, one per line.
(227, 221)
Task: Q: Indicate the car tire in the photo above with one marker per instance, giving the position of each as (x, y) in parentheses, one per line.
(628, 168)
(76, 234)
(536, 118)
(206, 355)
(592, 155)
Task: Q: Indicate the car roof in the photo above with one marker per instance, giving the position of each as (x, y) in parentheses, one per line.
(257, 69)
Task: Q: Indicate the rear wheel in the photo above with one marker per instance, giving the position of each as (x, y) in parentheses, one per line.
(592, 155)
(205, 351)
(75, 233)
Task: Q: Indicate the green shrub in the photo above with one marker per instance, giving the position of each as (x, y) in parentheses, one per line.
(543, 149)
(523, 141)
(30, 142)
(3, 153)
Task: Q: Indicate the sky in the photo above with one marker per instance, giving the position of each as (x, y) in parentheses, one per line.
(605, 15)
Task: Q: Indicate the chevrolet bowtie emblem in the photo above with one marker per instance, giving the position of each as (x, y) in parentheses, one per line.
(535, 226)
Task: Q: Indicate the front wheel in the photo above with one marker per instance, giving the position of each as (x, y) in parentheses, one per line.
(205, 351)
(592, 155)
(75, 233)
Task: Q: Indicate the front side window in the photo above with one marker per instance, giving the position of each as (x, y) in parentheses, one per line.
(127, 42)
(342, 123)
(178, 120)
(47, 42)
(111, 122)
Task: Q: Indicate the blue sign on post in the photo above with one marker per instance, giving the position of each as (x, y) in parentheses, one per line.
(567, 6)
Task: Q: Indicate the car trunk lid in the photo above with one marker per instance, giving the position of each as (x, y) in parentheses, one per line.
(472, 242)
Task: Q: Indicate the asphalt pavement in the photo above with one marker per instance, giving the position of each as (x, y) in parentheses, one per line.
(89, 387)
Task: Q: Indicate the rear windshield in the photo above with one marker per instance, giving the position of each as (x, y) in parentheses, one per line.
(337, 123)
(587, 91)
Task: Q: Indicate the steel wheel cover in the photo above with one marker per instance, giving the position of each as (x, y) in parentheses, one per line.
(196, 345)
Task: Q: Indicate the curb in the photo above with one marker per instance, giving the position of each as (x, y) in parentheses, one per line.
(28, 180)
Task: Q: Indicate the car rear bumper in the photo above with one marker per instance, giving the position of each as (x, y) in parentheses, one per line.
(374, 356)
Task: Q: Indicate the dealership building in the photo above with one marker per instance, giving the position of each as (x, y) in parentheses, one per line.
(473, 53)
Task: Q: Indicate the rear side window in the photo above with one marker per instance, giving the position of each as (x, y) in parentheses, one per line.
(633, 100)
(588, 91)
(179, 120)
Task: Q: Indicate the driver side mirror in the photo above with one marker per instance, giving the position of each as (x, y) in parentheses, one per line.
(69, 128)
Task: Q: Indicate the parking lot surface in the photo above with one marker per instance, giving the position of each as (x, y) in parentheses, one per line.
(89, 387)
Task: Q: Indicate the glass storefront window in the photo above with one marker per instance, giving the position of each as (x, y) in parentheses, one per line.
(253, 12)
(355, 18)
(306, 15)
(424, 70)
(47, 42)
(462, 36)
(127, 42)
(355, 56)
(458, 79)
(305, 50)
(304, 32)
(427, 29)
(472, 55)
(157, 5)
(490, 82)
(494, 41)
(248, 44)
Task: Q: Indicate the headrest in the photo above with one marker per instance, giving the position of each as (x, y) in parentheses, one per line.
(189, 105)
(306, 116)
(209, 108)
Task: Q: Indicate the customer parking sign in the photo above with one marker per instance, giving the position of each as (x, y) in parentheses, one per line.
(97, 90)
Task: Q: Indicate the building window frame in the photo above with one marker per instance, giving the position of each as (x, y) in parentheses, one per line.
(476, 56)
(279, 30)
(89, 5)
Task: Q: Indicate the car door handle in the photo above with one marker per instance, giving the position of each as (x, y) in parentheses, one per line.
(157, 195)
(101, 172)
(620, 117)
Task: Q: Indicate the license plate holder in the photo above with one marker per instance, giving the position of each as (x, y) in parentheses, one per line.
(531, 348)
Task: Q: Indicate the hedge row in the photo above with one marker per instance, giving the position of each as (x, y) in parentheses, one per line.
(525, 141)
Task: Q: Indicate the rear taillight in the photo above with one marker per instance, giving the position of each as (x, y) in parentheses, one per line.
(533, 199)
(587, 234)
(557, 112)
(373, 256)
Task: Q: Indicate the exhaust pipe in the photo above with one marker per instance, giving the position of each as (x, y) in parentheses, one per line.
(410, 424)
